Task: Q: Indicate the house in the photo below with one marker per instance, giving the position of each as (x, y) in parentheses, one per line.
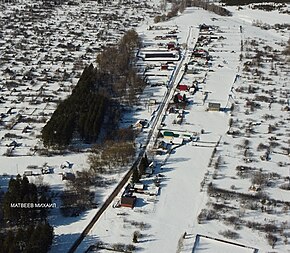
(171, 45)
(66, 164)
(127, 200)
(164, 67)
(183, 87)
(214, 106)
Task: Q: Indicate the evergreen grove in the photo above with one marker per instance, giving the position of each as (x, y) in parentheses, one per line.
(97, 96)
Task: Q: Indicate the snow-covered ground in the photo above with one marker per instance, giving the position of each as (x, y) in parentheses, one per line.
(186, 171)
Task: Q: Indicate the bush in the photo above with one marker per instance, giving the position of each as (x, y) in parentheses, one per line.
(229, 234)
(206, 214)
(272, 239)
(119, 247)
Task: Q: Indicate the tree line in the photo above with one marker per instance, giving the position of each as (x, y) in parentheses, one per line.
(180, 5)
(245, 2)
(97, 98)
(24, 229)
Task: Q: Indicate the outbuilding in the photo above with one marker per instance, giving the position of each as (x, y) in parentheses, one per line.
(128, 201)
(183, 87)
(214, 106)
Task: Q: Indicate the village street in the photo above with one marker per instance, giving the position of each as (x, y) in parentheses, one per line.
(180, 198)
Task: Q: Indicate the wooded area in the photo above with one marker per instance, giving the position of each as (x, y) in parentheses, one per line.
(24, 229)
(99, 94)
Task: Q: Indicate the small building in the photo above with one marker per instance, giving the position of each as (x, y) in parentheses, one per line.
(171, 45)
(164, 67)
(128, 201)
(14, 144)
(139, 186)
(149, 171)
(66, 164)
(177, 141)
(138, 125)
(141, 124)
(28, 173)
(214, 106)
(153, 190)
(168, 134)
(183, 87)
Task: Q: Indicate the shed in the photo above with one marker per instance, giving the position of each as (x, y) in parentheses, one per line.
(164, 67)
(168, 134)
(139, 186)
(27, 173)
(214, 106)
(128, 201)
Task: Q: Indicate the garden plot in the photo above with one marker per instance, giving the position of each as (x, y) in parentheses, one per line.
(250, 186)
